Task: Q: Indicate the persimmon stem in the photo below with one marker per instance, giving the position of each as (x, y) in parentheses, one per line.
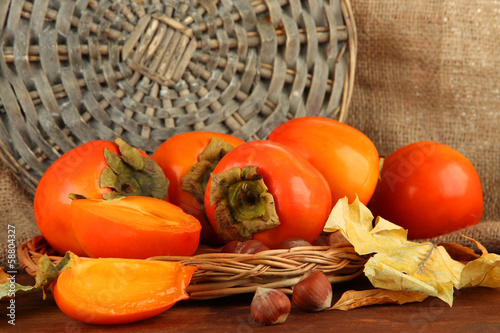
(243, 205)
(248, 196)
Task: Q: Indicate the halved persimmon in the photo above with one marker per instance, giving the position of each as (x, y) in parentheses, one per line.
(96, 169)
(119, 291)
(134, 227)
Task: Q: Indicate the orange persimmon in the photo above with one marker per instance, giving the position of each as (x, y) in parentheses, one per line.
(265, 191)
(346, 157)
(134, 227)
(178, 155)
(96, 169)
(119, 291)
(430, 189)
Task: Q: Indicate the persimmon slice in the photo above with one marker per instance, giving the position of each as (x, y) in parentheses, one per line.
(134, 227)
(119, 291)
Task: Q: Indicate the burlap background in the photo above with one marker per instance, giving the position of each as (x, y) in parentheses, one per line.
(427, 70)
(430, 70)
(16, 209)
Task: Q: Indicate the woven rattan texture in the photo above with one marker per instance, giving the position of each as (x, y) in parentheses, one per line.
(72, 71)
(226, 274)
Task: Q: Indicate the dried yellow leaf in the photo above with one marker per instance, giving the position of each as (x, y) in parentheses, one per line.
(397, 264)
(352, 299)
(425, 268)
(9, 288)
(459, 252)
(482, 272)
(404, 266)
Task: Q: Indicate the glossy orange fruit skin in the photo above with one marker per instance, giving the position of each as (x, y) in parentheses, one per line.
(345, 156)
(77, 171)
(176, 156)
(430, 189)
(301, 194)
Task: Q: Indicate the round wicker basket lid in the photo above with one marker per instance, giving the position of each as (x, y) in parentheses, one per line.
(72, 71)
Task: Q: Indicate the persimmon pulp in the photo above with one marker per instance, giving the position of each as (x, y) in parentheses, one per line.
(120, 291)
(96, 169)
(134, 227)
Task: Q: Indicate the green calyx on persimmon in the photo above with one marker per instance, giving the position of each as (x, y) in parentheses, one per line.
(48, 272)
(195, 181)
(243, 204)
(132, 174)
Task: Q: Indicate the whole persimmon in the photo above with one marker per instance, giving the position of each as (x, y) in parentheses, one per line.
(187, 160)
(265, 191)
(345, 156)
(428, 188)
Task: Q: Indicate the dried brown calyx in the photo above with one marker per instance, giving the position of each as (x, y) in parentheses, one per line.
(243, 204)
(196, 180)
(131, 173)
(48, 272)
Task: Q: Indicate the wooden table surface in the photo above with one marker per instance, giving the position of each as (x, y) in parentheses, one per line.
(474, 310)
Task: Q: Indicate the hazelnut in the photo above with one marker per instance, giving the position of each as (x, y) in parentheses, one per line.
(313, 292)
(293, 242)
(248, 247)
(270, 306)
(322, 240)
(251, 246)
(337, 238)
(230, 247)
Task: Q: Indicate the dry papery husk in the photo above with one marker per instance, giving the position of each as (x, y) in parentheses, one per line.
(225, 274)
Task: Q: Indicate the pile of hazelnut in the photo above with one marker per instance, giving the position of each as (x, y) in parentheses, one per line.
(312, 293)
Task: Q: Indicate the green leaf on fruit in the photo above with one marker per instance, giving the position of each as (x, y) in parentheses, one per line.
(9, 288)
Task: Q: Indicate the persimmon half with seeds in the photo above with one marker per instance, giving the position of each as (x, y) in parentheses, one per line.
(114, 291)
(134, 227)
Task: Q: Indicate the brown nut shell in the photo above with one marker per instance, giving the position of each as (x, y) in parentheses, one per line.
(230, 247)
(322, 240)
(293, 242)
(250, 246)
(337, 238)
(313, 292)
(270, 306)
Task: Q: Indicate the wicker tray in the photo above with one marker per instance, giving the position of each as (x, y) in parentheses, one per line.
(226, 274)
(74, 71)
